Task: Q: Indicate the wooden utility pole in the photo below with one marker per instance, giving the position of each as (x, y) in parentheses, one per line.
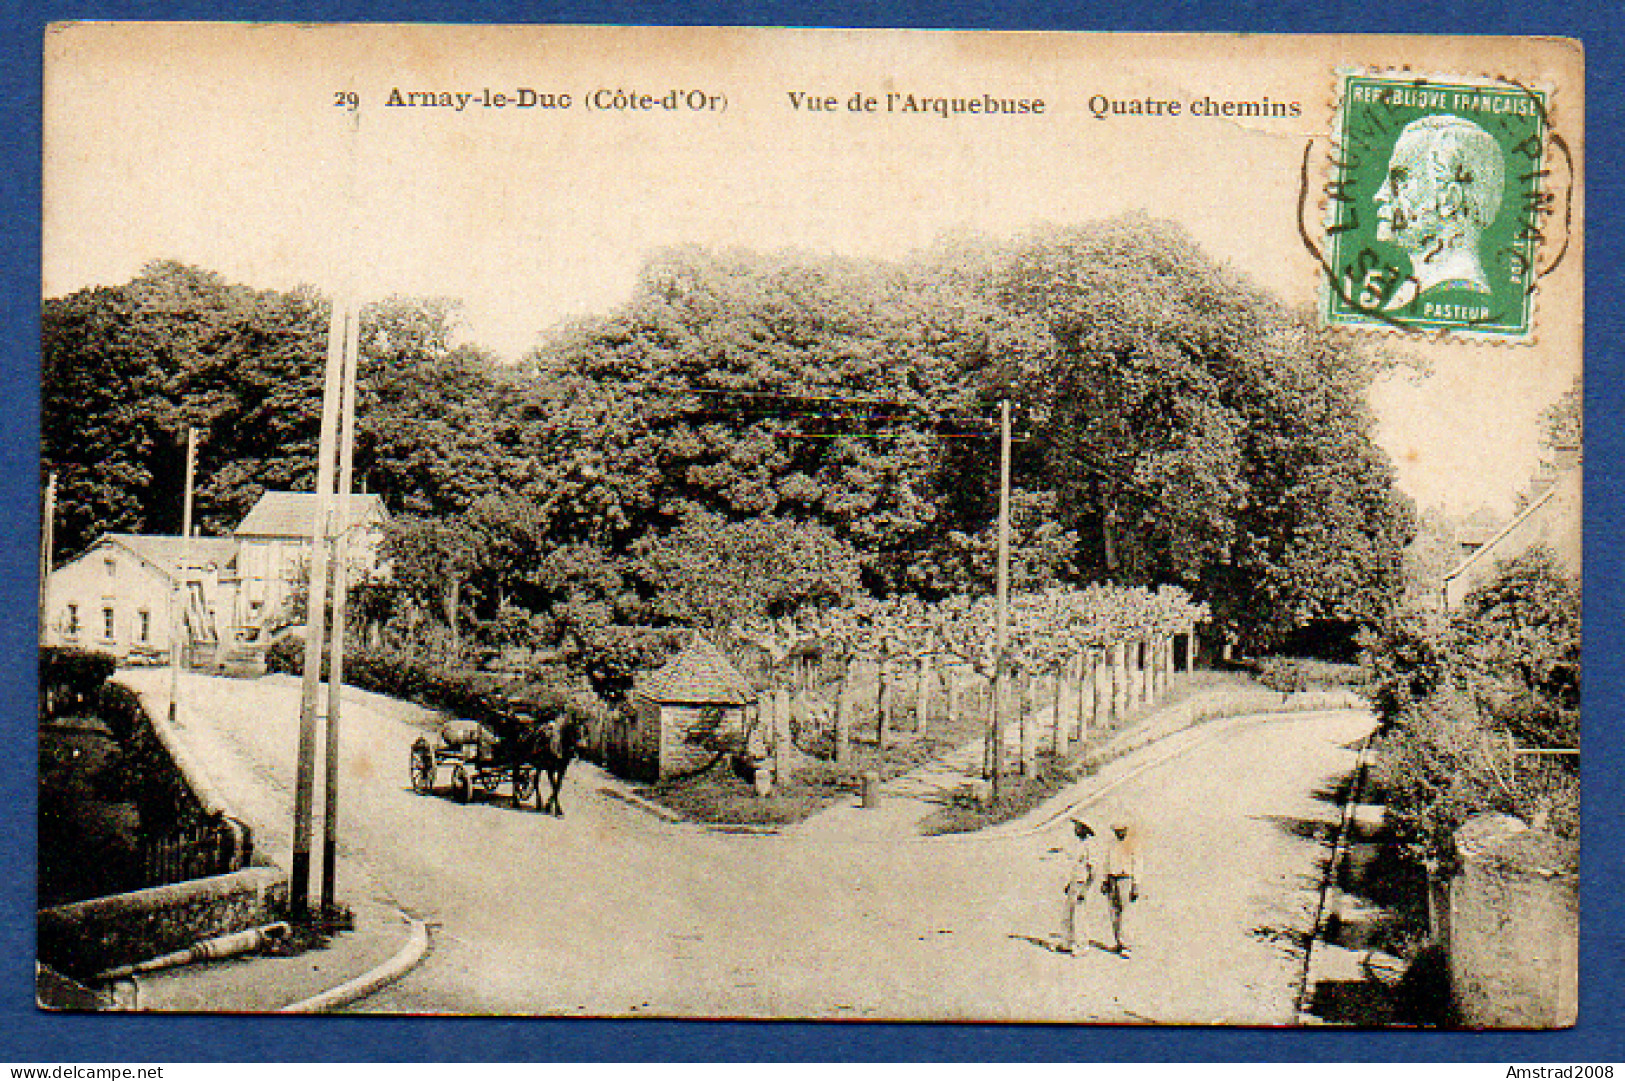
(191, 471)
(1001, 619)
(316, 615)
(177, 593)
(341, 585)
(47, 542)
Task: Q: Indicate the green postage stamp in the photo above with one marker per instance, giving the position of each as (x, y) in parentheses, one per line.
(1435, 206)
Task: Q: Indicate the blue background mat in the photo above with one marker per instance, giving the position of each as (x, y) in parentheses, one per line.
(27, 1035)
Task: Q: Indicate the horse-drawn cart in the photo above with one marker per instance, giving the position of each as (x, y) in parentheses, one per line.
(478, 759)
(516, 751)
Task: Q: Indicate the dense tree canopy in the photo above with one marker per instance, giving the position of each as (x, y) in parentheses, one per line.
(125, 370)
(1197, 433)
(751, 433)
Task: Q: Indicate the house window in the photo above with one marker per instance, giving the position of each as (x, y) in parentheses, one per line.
(111, 565)
(109, 623)
(143, 626)
(70, 622)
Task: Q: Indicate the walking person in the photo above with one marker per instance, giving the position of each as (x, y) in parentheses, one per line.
(1120, 879)
(1078, 883)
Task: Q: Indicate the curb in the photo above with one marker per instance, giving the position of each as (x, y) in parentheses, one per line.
(1330, 905)
(406, 959)
(649, 807)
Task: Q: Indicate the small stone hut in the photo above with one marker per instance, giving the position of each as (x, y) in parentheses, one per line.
(684, 714)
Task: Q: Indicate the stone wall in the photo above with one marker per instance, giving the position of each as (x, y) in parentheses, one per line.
(87, 937)
(1512, 930)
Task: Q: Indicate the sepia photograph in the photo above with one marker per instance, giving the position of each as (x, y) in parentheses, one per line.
(745, 523)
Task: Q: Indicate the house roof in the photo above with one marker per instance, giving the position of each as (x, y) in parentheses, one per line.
(169, 553)
(1492, 550)
(292, 514)
(698, 675)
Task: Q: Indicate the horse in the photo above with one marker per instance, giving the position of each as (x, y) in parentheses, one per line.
(548, 747)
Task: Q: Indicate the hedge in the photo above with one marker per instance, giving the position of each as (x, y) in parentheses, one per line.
(1292, 674)
(70, 678)
(467, 693)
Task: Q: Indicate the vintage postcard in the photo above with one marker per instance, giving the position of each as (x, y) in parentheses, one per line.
(756, 523)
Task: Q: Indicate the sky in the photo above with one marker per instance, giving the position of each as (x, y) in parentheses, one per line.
(233, 148)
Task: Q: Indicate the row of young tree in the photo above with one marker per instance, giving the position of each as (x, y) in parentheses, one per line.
(762, 435)
(1097, 652)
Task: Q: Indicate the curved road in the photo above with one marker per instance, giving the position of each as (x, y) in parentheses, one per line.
(612, 912)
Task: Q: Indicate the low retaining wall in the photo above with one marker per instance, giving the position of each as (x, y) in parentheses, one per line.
(1513, 930)
(1218, 705)
(87, 937)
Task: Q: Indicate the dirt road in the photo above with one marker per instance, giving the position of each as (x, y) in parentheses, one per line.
(609, 911)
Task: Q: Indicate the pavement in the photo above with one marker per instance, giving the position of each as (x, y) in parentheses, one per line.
(922, 932)
(384, 944)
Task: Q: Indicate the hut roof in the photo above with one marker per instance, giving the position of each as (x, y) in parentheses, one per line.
(698, 675)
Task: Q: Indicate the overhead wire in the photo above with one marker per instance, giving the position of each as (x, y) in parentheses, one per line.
(765, 404)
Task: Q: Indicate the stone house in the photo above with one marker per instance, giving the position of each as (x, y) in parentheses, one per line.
(273, 551)
(1552, 518)
(123, 595)
(683, 715)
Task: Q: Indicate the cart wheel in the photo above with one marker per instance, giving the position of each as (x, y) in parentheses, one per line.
(462, 785)
(422, 767)
(524, 784)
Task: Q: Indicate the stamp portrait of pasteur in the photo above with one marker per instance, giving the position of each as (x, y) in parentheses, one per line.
(1444, 188)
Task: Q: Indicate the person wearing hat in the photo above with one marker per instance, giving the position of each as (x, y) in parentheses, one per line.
(1120, 878)
(1077, 886)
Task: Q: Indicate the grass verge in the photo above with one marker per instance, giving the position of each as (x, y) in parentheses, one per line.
(724, 795)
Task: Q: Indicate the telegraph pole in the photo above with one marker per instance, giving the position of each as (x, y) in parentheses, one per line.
(191, 469)
(1001, 619)
(335, 677)
(316, 615)
(47, 541)
(177, 594)
(338, 408)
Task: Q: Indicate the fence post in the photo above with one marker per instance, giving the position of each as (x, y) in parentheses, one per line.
(1063, 711)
